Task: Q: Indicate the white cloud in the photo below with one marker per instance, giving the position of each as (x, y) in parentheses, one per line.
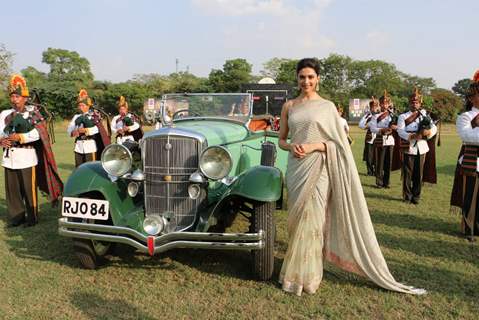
(274, 28)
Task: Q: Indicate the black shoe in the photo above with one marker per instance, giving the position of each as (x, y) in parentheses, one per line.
(471, 238)
(415, 201)
(13, 224)
(387, 187)
(30, 224)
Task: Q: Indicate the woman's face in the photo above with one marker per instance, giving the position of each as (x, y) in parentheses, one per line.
(307, 80)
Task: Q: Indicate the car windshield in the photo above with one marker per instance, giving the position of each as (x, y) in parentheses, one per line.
(179, 106)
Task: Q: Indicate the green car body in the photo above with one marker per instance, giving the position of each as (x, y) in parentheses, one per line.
(247, 184)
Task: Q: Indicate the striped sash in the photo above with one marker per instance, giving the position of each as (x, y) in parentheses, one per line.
(382, 116)
(411, 118)
(469, 160)
(473, 121)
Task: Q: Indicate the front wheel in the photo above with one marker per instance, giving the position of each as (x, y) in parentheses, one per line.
(263, 259)
(90, 252)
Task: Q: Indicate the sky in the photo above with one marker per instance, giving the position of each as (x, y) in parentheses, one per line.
(121, 38)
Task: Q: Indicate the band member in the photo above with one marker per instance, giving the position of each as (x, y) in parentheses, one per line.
(87, 129)
(414, 127)
(364, 123)
(466, 183)
(383, 126)
(28, 159)
(126, 125)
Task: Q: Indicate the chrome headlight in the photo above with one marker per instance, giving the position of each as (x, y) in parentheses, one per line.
(215, 162)
(116, 160)
(153, 225)
(133, 188)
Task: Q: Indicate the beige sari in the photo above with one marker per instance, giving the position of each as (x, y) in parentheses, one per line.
(328, 215)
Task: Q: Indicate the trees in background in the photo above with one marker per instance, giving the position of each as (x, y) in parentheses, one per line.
(235, 73)
(6, 60)
(342, 78)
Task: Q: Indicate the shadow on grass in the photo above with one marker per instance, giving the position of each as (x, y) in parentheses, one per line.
(40, 242)
(94, 306)
(381, 196)
(234, 264)
(414, 222)
(437, 249)
(435, 279)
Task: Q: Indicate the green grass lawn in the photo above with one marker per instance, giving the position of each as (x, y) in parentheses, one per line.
(40, 277)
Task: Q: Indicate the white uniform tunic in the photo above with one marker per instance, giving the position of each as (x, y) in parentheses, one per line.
(117, 124)
(19, 158)
(468, 134)
(404, 131)
(364, 124)
(375, 126)
(83, 146)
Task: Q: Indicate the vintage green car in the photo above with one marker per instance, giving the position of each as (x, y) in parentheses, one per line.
(182, 185)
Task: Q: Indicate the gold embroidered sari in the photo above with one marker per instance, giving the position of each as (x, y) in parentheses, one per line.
(328, 216)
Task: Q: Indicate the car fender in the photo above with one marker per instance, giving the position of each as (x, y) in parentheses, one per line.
(91, 177)
(260, 183)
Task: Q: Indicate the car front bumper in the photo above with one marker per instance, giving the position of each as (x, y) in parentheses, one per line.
(161, 243)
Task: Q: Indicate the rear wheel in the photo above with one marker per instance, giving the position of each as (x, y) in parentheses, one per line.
(263, 259)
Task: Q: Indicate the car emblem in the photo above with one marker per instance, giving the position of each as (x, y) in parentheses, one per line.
(168, 146)
(167, 178)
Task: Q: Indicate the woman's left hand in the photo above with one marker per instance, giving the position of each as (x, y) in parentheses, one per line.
(311, 147)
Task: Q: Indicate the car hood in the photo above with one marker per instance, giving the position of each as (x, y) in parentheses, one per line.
(216, 132)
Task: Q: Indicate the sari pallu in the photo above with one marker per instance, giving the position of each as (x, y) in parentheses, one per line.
(328, 217)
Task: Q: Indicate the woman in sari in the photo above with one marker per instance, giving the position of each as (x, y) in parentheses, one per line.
(336, 228)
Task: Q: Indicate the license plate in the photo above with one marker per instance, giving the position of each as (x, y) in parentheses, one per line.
(85, 208)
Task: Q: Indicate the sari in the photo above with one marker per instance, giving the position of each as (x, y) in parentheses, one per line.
(328, 218)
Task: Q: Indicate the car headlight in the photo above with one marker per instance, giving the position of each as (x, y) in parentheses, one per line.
(215, 162)
(116, 160)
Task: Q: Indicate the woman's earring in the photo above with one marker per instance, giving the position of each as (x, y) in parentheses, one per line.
(317, 86)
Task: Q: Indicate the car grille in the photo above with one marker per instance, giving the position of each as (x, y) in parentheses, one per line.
(168, 163)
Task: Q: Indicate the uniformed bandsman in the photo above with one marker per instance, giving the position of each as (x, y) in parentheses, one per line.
(381, 124)
(414, 127)
(126, 125)
(466, 183)
(27, 158)
(87, 129)
(364, 123)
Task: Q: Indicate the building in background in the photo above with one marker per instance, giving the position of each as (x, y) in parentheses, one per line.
(357, 107)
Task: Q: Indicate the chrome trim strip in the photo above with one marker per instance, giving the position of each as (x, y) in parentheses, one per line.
(169, 131)
(198, 240)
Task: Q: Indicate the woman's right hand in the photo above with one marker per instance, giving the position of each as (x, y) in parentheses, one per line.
(297, 150)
